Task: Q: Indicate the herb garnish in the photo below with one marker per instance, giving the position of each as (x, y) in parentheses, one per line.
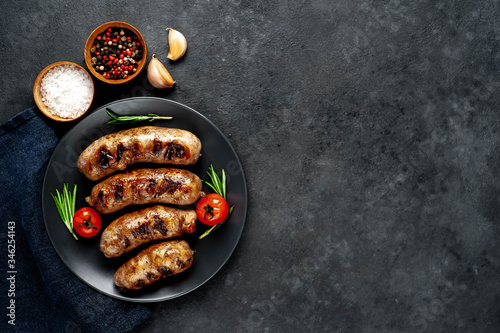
(65, 204)
(219, 187)
(118, 120)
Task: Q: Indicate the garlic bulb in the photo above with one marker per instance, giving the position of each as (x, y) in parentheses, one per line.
(158, 75)
(177, 44)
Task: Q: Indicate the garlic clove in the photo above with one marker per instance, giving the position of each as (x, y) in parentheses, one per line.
(177, 44)
(158, 76)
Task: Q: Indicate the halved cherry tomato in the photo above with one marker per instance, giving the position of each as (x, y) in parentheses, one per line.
(212, 209)
(87, 222)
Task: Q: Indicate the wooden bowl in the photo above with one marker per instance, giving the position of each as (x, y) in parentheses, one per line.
(38, 95)
(100, 29)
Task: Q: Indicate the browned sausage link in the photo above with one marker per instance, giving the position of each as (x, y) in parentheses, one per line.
(153, 144)
(145, 186)
(133, 229)
(154, 263)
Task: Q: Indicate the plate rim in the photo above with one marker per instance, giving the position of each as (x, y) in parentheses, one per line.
(230, 253)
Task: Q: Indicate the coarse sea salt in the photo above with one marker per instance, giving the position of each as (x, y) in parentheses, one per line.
(67, 91)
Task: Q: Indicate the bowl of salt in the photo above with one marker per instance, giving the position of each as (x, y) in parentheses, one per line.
(64, 91)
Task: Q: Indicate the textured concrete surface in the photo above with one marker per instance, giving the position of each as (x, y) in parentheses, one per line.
(369, 135)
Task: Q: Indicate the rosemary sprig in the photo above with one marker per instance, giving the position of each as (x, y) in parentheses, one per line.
(118, 120)
(219, 187)
(65, 204)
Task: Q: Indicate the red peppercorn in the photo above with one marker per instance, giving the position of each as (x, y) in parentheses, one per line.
(114, 40)
(111, 57)
(108, 33)
(99, 37)
(107, 76)
(122, 56)
(116, 60)
(109, 29)
(125, 76)
(110, 63)
(98, 53)
(138, 44)
(128, 37)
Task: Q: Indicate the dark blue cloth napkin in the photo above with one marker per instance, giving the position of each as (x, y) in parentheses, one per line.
(47, 297)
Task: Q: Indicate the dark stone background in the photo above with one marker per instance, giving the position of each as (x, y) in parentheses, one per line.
(369, 135)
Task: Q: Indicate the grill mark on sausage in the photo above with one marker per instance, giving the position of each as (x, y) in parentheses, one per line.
(118, 191)
(119, 151)
(159, 225)
(151, 186)
(165, 271)
(170, 186)
(167, 185)
(100, 197)
(174, 150)
(180, 263)
(127, 241)
(103, 156)
(135, 149)
(156, 147)
(141, 231)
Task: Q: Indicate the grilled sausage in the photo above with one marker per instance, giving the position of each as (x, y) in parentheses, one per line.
(133, 229)
(117, 151)
(154, 263)
(145, 186)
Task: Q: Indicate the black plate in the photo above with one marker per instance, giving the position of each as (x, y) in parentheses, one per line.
(83, 257)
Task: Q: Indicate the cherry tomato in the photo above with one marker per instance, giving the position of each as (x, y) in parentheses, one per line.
(87, 222)
(212, 209)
